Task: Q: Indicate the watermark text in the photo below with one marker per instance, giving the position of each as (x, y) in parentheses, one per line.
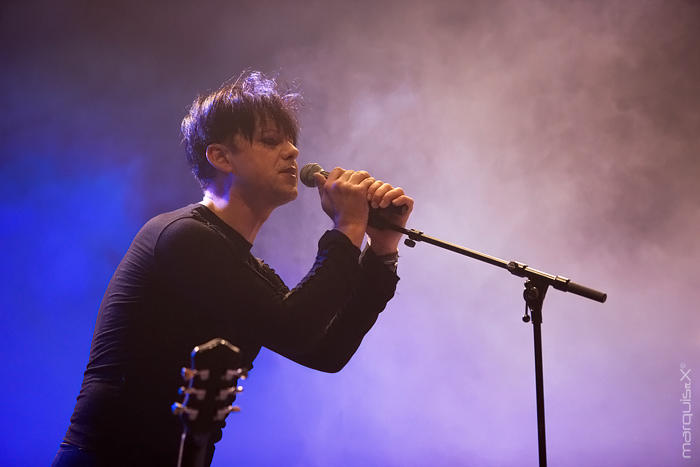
(686, 411)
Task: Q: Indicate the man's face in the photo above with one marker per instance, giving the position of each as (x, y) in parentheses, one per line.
(266, 168)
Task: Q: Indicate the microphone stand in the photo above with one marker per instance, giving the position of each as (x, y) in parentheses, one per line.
(536, 287)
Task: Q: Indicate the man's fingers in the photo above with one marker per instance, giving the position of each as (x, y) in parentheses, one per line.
(379, 194)
(404, 200)
(390, 196)
(345, 176)
(372, 188)
(359, 176)
(334, 174)
(367, 182)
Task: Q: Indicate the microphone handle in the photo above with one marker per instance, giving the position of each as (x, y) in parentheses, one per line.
(390, 210)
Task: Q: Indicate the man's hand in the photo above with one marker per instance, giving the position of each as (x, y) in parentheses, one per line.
(344, 199)
(381, 195)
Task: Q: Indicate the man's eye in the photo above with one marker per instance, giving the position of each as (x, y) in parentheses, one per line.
(271, 141)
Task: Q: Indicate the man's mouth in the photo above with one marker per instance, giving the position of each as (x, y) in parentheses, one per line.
(291, 170)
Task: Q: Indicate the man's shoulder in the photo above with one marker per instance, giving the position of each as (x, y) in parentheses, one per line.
(161, 221)
(184, 221)
(191, 235)
(187, 220)
(193, 229)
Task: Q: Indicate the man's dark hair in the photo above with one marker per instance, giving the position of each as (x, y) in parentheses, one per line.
(237, 107)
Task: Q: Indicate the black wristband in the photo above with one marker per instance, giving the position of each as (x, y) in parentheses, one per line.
(391, 260)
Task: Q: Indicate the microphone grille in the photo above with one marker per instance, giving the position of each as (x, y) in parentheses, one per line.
(307, 174)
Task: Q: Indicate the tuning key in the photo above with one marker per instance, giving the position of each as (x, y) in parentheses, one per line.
(189, 373)
(179, 409)
(228, 392)
(241, 373)
(221, 414)
(198, 393)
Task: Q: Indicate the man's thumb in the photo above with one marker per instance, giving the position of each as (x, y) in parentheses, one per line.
(320, 180)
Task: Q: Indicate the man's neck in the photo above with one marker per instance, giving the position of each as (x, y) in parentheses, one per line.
(239, 215)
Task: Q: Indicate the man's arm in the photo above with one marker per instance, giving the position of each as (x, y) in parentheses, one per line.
(378, 283)
(229, 295)
(348, 328)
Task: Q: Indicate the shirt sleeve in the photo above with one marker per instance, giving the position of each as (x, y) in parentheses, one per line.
(220, 284)
(349, 326)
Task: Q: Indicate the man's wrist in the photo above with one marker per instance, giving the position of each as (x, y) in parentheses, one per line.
(382, 250)
(390, 260)
(356, 233)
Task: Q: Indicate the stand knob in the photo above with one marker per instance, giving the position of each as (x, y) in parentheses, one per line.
(530, 293)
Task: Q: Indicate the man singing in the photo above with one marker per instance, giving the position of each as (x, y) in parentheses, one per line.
(189, 276)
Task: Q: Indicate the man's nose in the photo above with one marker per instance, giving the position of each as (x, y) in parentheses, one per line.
(291, 151)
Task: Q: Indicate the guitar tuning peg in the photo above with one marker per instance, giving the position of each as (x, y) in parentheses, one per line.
(177, 408)
(223, 413)
(228, 392)
(198, 393)
(241, 373)
(187, 373)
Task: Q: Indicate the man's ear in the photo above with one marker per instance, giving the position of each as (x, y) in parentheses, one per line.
(219, 156)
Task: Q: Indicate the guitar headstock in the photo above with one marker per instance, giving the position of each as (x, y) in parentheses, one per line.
(211, 388)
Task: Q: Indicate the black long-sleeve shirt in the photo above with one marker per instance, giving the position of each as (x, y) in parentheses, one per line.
(186, 278)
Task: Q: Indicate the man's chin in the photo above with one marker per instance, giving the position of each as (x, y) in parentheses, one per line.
(289, 196)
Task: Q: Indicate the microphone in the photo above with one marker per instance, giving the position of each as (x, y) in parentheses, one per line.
(306, 175)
